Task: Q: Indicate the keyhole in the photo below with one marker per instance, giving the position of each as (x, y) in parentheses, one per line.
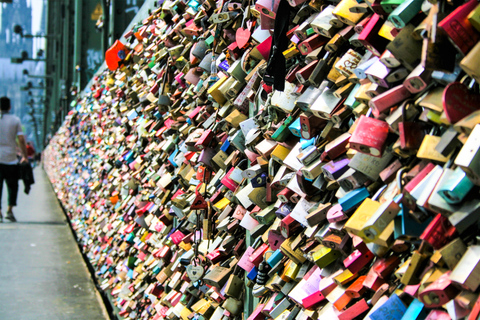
(275, 243)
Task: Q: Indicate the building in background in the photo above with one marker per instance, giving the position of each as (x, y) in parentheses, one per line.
(12, 77)
(68, 40)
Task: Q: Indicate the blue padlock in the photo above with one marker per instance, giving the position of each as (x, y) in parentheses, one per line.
(415, 311)
(456, 187)
(295, 128)
(406, 227)
(275, 258)
(260, 180)
(307, 143)
(353, 198)
(393, 308)
(252, 274)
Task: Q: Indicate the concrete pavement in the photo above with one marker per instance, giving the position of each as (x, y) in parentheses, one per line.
(42, 273)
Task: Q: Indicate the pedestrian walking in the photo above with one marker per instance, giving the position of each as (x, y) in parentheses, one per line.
(11, 136)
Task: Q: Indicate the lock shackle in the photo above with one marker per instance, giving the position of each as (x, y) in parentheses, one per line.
(379, 192)
(165, 76)
(246, 13)
(197, 193)
(242, 163)
(265, 254)
(399, 178)
(217, 124)
(191, 130)
(404, 105)
(257, 242)
(471, 82)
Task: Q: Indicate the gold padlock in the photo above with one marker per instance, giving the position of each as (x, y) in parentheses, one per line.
(471, 62)
(342, 12)
(427, 149)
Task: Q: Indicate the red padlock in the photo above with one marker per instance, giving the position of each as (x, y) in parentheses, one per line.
(369, 136)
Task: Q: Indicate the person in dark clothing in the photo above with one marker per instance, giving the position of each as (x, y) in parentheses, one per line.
(31, 154)
(11, 135)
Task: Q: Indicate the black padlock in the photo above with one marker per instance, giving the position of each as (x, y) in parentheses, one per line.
(262, 274)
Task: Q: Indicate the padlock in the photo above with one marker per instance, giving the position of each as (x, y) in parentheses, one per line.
(356, 310)
(308, 98)
(418, 79)
(405, 12)
(325, 256)
(390, 5)
(386, 100)
(311, 43)
(325, 104)
(357, 260)
(310, 125)
(362, 214)
(449, 142)
(322, 69)
(337, 242)
(438, 232)
(260, 180)
(257, 256)
(313, 300)
(294, 255)
(301, 30)
(321, 24)
(339, 39)
(289, 226)
(389, 60)
(356, 289)
(352, 179)
(459, 29)
(417, 310)
(342, 12)
(353, 199)
(221, 17)
(427, 149)
(304, 73)
(454, 189)
(267, 8)
(217, 276)
(405, 48)
(348, 63)
(469, 63)
(452, 252)
(318, 214)
(334, 169)
(378, 73)
(413, 267)
(369, 136)
(266, 216)
(204, 140)
(389, 173)
(369, 36)
(379, 221)
(466, 158)
(466, 271)
(457, 101)
(365, 63)
(308, 155)
(263, 268)
(411, 133)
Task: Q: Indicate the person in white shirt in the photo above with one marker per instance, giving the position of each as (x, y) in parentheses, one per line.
(11, 135)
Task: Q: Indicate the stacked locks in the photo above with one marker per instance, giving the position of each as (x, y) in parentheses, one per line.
(282, 160)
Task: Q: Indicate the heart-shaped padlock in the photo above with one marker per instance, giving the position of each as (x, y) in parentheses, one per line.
(195, 272)
(244, 33)
(459, 102)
